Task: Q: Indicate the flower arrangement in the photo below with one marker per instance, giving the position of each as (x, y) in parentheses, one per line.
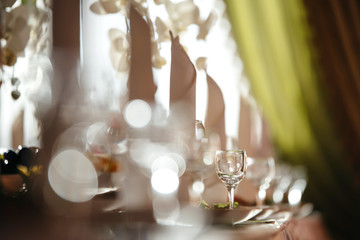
(180, 16)
(23, 32)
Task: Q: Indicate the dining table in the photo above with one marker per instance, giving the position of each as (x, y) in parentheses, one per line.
(24, 218)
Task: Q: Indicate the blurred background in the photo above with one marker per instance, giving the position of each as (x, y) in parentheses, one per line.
(288, 71)
(301, 59)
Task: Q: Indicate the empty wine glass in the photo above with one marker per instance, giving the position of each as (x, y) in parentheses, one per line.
(231, 170)
(298, 185)
(281, 183)
(260, 173)
(200, 161)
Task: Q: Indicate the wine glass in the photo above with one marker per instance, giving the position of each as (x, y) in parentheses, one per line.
(281, 182)
(200, 161)
(297, 186)
(261, 171)
(231, 170)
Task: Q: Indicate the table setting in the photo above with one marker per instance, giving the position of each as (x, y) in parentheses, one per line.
(146, 172)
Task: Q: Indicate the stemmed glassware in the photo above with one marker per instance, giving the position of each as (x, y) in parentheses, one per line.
(201, 160)
(231, 169)
(260, 173)
(281, 182)
(297, 186)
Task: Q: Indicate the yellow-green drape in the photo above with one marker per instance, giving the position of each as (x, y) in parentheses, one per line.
(274, 41)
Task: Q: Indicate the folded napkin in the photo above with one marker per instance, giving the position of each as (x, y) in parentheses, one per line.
(253, 133)
(215, 113)
(246, 135)
(182, 86)
(267, 148)
(140, 83)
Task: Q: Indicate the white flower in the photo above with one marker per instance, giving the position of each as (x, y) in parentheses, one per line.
(183, 14)
(119, 50)
(158, 2)
(102, 7)
(17, 29)
(201, 63)
(162, 30)
(39, 35)
(157, 60)
(205, 26)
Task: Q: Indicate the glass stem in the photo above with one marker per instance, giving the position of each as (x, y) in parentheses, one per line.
(231, 192)
(258, 200)
(260, 197)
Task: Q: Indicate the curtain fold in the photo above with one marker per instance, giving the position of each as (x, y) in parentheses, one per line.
(302, 58)
(337, 38)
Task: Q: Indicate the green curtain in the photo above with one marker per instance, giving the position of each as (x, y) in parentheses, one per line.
(275, 43)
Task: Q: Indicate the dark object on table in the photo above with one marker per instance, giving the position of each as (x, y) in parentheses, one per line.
(27, 156)
(8, 163)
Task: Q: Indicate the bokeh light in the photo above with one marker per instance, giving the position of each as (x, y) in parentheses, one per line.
(152, 156)
(166, 209)
(180, 161)
(172, 161)
(208, 158)
(262, 194)
(164, 162)
(72, 176)
(277, 196)
(296, 191)
(165, 181)
(294, 197)
(138, 113)
(198, 187)
(93, 132)
(144, 152)
(73, 137)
